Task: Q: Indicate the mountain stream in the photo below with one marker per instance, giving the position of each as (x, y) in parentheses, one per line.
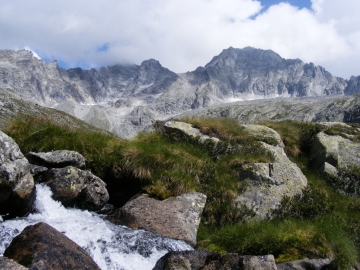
(111, 246)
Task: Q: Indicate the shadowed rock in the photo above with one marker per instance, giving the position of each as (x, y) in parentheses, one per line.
(57, 159)
(17, 191)
(72, 186)
(40, 246)
(176, 217)
(204, 259)
(9, 264)
(305, 264)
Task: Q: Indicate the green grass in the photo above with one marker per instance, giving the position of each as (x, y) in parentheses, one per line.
(321, 223)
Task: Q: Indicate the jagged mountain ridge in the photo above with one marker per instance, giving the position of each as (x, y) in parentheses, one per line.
(126, 98)
(248, 73)
(48, 84)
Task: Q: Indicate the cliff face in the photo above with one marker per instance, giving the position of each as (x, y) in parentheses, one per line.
(248, 73)
(47, 83)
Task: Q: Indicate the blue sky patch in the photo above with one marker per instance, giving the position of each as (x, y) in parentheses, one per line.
(297, 3)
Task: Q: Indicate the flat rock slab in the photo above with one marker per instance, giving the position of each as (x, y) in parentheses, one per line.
(265, 134)
(305, 264)
(207, 260)
(17, 190)
(40, 246)
(176, 217)
(185, 129)
(57, 159)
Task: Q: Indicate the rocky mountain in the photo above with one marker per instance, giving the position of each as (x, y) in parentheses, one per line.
(49, 84)
(241, 74)
(125, 99)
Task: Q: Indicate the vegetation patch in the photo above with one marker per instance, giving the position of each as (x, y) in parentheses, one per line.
(317, 224)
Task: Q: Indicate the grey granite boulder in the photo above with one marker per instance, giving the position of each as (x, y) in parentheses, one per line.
(73, 186)
(306, 264)
(264, 184)
(57, 159)
(339, 152)
(265, 134)
(40, 246)
(184, 129)
(175, 217)
(204, 259)
(17, 191)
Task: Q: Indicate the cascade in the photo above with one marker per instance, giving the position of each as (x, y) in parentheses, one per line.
(111, 246)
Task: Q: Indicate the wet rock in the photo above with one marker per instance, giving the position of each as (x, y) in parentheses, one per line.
(9, 264)
(180, 129)
(72, 186)
(305, 264)
(204, 259)
(57, 159)
(175, 217)
(265, 134)
(40, 246)
(17, 191)
(265, 184)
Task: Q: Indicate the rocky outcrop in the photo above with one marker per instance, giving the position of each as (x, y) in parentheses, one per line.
(179, 130)
(265, 184)
(265, 134)
(175, 217)
(306, 264)
(72, 186)
(336, 151)
(57, 159)
(204, 259)
(17, 191)
(8, 264)
(42, 247)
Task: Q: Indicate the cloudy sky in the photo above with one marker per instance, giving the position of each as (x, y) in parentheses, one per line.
(183, 34)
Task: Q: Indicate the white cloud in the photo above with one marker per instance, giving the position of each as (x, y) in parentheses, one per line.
(182, 34)
(33, 52)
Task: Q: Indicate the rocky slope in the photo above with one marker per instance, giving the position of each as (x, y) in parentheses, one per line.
(125, 99)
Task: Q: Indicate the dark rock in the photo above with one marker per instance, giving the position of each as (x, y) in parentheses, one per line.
(37, 171)
(9, 264)
(72, 186)
(305, 264)
(40, 246)
(57, 159)
(17, 190)
(204, 259)
(176, 217)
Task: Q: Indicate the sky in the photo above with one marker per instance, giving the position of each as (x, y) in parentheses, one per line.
(182, 34)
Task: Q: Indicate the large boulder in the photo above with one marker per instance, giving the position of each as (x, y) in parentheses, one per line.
(9, 264)
(181, 129)
(72, 186)
(204, 259)
(265, 134)
(40, 246)
(17, 190)
(57, 159)
(340, 152)
(265, 184)
(175, 217)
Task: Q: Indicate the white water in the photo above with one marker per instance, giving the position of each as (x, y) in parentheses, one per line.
(111, 246)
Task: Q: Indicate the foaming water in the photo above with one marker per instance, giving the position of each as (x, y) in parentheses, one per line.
(111, 246)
